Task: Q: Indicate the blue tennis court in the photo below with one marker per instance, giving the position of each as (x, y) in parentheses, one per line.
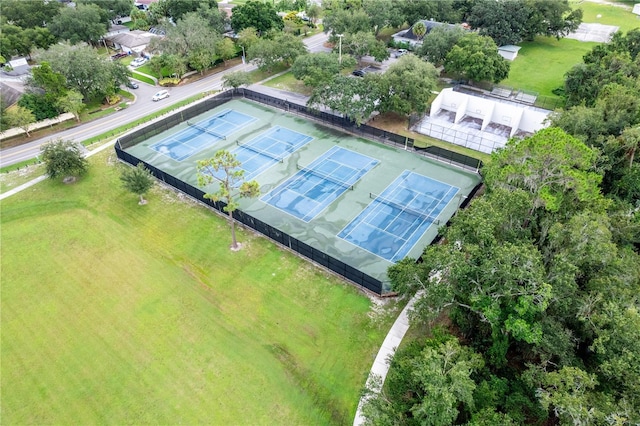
(269, 148)
(201, 135)
(313, 188)
(396, 219)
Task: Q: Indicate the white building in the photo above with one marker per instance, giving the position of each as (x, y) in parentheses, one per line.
(479, 123)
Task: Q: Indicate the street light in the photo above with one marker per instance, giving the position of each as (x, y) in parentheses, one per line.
(340, 48)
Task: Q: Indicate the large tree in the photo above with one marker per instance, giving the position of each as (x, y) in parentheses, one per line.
(236, 79)
(43, 78)
(191, 39)
(30, 14)
(137, 180)
(85, 70)
(476, 58)
(551, 19)
(81, 23)
(63, 158)
(364, 43)
(20, 117)
(511, 21)
(283, 49)
(355, 98)
(613, 62)
(225, 170)
(427, 385)
(319, 68)
(112, 8)
(439, 42)
(15, 40)
(407, 86)
(256, 14)
(177, 9)
(532, 275)
(345, 21)
(72, 102)
(382, 13)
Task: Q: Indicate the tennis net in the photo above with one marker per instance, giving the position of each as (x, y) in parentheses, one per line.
(261, 152)
(325, 177)
(420, 215)
(204, 129)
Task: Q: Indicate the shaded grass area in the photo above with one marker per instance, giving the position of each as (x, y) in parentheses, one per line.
(116, 313)
(258, 75)
(288, 82)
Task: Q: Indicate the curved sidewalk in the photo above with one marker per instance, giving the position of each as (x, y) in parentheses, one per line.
(380, 366)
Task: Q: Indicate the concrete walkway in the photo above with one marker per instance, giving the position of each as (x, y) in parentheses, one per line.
(380, 366)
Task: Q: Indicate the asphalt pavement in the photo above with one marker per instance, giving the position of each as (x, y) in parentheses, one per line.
(139, 108)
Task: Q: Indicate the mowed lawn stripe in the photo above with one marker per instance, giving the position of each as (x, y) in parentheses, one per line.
(114, 313)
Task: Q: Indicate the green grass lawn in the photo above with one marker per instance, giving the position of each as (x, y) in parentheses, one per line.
(541, 64)
(609, 14)
(116, 313)
(288, 82)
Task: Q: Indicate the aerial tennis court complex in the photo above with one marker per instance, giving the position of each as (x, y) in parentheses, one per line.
(333, 197)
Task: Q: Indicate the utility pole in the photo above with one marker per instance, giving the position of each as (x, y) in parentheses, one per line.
(340, 48)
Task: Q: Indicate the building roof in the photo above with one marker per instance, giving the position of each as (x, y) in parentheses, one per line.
(509, 48)
(9, 95)
(132, 38)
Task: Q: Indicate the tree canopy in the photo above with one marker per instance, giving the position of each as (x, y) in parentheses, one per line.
(318, 68)
(511, 21)
(283, 49)
(355, 98)
(259, 15)
(83, 23)
(225, 170)
(137, 180)
(63, 158)
(30, 14)
(406, 87)
(535, 282)
(476, 58)
(85, 70)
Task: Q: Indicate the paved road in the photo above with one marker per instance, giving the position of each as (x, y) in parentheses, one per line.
(141, 107)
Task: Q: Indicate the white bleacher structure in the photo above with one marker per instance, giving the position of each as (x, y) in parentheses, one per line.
(482, 124)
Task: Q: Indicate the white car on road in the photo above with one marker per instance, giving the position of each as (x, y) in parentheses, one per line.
(160, 95)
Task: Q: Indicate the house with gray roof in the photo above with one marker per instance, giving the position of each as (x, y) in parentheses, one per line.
(408, 36)
(132, 41)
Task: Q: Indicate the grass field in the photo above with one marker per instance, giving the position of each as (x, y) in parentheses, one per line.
(121, 314)
(609, 14)
(541, 64)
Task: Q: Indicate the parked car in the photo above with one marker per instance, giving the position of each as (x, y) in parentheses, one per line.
(138, 62)
(400, 52)
(366, 70)
(160, 95)
(118, 56)
(132, 84)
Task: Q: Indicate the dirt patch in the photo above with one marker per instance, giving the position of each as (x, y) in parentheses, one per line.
(390, 122)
